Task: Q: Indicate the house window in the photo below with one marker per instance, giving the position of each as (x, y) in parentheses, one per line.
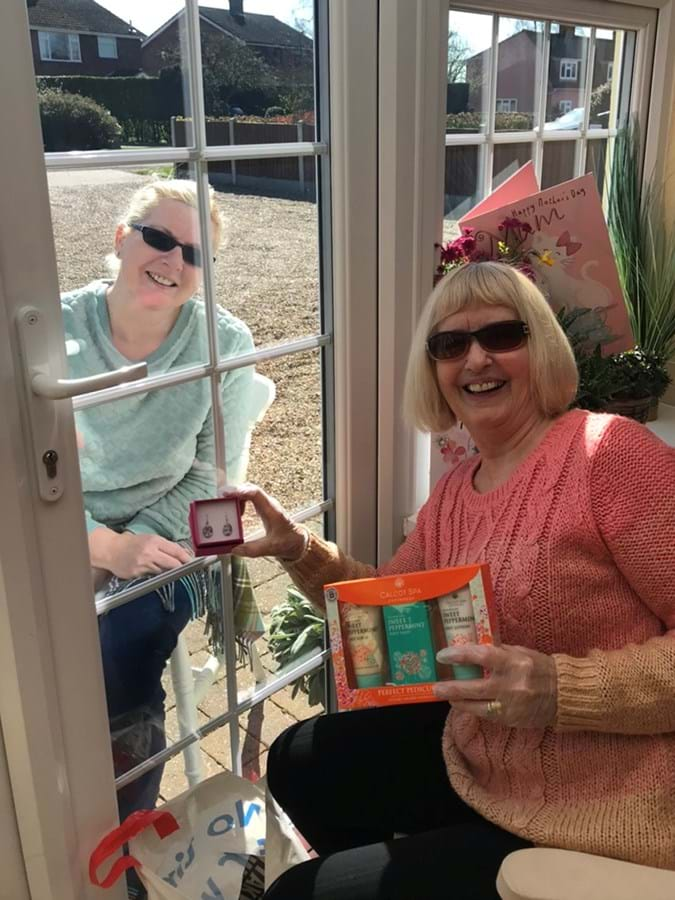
(107, 47)
(59, 45)
(565, 106)
(569, 69)
(507, 105)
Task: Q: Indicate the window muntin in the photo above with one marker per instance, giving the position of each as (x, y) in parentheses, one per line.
(107, 47)
(59, 46)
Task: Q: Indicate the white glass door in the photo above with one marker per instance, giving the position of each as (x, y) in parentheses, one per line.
(173, 657)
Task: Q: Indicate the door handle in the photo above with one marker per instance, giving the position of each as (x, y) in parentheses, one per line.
(42, 390)
(62, 388)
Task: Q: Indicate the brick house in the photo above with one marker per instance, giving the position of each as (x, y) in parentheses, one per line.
(79, 37)
(287, 51)
(516, 79)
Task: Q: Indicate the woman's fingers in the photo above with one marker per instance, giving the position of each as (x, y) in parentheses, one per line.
(486, 655)
(459, 691)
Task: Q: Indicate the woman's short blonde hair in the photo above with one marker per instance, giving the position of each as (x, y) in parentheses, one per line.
(148, 196)
(553, 371)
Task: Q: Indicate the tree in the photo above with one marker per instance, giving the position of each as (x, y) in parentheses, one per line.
(303, 17)
(229, 70)
(458, 53)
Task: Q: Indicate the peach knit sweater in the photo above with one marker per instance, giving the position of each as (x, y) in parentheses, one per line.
(581, 546)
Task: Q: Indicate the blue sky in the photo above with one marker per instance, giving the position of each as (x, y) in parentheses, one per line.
(148, 15)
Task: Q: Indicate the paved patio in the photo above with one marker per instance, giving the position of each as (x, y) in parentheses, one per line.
(259, 726)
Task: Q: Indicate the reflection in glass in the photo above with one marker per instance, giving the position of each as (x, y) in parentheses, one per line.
(469, 54)
(518, 82)
(558, 163)
(606, 78)
(596, 161)
(508, 158)
(463, 182)
(567, 76)
(286, 456)
(267, 272)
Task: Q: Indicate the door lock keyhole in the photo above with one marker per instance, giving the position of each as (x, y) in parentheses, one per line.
(50, 458)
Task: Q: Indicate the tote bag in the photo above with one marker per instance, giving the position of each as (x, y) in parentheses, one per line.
(224, 839)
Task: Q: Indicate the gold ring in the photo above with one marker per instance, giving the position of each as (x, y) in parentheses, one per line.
(494, 709)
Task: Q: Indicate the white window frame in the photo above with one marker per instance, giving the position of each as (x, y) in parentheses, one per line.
(511, 103)
(109, 41)
(565, 106)
(404, 483)
(73, 41)
(569, 69)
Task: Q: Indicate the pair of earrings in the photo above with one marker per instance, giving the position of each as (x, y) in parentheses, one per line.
(207, 530)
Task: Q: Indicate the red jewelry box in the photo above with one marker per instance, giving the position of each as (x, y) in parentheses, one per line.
(215, 525)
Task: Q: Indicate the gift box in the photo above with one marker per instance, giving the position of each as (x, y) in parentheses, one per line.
(385, 632)
(215, 525)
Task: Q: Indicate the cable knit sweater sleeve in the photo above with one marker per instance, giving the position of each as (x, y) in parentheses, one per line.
(632, 490)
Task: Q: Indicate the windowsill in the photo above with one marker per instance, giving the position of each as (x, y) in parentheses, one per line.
(664, 426)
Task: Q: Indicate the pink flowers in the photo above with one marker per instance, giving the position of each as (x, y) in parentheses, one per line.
(509, 249)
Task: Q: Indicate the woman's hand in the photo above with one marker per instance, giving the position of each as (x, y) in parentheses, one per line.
(520, 691)
(283, 537)
(129, 555)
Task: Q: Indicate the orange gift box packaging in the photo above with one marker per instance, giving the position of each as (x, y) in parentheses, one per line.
(385, 632)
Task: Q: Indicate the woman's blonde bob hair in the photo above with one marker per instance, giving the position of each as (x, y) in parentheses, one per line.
(148, 196)
(553, 371)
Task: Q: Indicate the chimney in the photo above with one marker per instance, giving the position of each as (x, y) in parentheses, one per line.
(237, 8)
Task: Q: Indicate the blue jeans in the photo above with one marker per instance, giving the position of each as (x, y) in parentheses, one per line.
(137, 639)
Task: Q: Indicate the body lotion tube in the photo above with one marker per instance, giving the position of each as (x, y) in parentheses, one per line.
(364, 631)
(456, 611)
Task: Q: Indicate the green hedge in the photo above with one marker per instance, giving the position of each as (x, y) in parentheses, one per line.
(70, 122)
(471, 121)
(143, 106)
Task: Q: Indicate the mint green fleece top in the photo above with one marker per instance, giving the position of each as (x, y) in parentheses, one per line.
(145, 457)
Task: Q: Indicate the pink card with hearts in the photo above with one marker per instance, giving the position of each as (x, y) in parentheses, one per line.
(574, 263)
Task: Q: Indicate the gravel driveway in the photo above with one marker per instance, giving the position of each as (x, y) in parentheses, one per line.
(266, 273)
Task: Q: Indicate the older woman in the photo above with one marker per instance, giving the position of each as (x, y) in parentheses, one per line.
(145, 457)
(570, 741)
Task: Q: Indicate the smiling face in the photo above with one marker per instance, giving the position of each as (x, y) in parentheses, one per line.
(486, 390)
(159, 281)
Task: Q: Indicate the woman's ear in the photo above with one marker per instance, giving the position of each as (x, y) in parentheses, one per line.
(120, 233)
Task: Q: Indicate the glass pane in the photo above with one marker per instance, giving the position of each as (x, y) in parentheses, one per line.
(143, 458)
(607, 78)
(268, 271)
(89, 110)
(469, 53)
(567, 74)
(558, 164)
(508, 158)
(129, 298)
(258, 73)
(596, 161)
(286, 455)
(521, 45)
(464, 168)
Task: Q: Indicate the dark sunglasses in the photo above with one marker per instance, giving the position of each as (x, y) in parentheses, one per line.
(499, 337)
(165, 242)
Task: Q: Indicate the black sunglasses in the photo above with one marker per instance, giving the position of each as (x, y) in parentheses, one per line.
(499, 337)
(165, 242)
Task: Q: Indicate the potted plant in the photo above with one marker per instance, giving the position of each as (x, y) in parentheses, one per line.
(295, 631)
(644, 246)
